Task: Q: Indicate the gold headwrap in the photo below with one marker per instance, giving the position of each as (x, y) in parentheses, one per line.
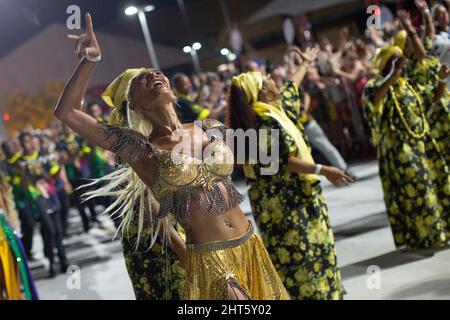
(251, 83)
(116, 94)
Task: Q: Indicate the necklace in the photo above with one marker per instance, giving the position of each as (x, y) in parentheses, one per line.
(416, 135)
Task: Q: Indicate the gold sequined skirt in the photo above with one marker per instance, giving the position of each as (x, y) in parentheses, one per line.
(238, 267)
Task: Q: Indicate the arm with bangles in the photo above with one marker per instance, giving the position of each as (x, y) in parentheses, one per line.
(336, 176)
(69, 109)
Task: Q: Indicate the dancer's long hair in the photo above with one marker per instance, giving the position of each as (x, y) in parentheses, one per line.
(131, 193)
(240, 115)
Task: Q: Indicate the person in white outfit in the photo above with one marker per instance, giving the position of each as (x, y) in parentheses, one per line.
(441, 43)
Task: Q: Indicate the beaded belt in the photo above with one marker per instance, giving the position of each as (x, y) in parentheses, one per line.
(221, 245)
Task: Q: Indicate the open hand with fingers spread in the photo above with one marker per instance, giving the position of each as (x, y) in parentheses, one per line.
(296, 57)
(86, 44)
(310, 54)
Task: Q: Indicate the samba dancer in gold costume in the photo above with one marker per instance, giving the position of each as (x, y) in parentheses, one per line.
(223, 257)
(155, 274)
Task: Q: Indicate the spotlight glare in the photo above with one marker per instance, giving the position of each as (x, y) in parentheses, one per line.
(224, 51)
(131, 10)
(149, 8)
(187, 49)
(196, 46)
(231, 56)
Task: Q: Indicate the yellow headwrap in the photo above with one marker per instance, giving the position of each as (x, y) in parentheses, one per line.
(251, 83)
(116, 94)
(383, 56)
(399, 40)
(379, 63)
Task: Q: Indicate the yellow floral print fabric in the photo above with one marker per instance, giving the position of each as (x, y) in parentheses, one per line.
(414, 175)
(425, 75)
(154, 275)
(292, 217)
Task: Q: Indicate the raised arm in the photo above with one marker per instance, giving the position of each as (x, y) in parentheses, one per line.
(299, 63)
(447, 2)
(418, 47)
(69, 111)
(396, 67)
(69, 107)
(428, 19)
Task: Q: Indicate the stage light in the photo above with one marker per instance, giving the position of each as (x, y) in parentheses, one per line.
(6, 117)
(141, 13)
(149, 8)
(224, 51)
(196, 46)
(131, 10)
(187, 49)
(231, 56)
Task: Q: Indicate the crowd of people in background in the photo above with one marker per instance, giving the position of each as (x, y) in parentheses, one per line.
(45, 167)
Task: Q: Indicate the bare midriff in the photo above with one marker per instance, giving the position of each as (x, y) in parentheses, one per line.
(204, 228)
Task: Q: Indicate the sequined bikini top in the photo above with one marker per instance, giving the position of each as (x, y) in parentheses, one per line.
(183, 178)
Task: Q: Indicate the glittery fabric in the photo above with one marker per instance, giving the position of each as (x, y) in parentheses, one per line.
(240, 265)
(128, 140)
(183, 178)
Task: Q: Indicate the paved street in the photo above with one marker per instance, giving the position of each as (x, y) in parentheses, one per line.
(363, 239)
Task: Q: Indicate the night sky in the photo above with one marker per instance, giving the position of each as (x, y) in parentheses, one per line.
(21, 19)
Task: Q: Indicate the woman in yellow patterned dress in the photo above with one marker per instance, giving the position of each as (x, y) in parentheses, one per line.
(423, 70)
(289, 206)
(415, 178)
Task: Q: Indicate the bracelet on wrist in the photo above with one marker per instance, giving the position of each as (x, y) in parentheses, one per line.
(93, 59)
(318, 169)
